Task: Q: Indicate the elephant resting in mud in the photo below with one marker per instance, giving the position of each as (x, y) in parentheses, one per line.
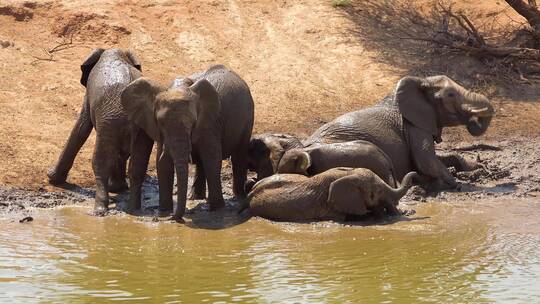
(406, 124)
(105, 73)
(265, 152)
(331, 195)
(354, 154)
(208, 116)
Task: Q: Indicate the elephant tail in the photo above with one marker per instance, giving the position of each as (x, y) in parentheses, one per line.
(406, 183)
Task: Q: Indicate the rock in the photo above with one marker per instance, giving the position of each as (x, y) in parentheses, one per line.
(26, 219)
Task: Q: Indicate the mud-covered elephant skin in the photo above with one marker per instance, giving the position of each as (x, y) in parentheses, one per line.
(316, 159)
(208, 116)
(105, 73)
(331, 195)
(266, 150)
(407, 123)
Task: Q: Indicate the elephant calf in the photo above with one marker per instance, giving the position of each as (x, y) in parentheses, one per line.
(265, 152)
(331, 195)
(355, 154)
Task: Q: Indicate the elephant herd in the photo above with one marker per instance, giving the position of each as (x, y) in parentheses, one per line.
(362, 162)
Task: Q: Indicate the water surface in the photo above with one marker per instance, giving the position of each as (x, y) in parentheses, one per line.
(453, 253)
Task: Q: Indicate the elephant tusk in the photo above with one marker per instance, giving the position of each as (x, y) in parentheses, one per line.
(485, 111)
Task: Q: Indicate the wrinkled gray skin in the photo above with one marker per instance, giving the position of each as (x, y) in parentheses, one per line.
(316, 159)
(406, 124)
(331, 195)
(105, 73)
(208, 116)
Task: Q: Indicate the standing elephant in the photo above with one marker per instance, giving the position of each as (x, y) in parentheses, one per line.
(208, 116)
(105, 73)
(354, 154)
(331, 195)
(406, 123)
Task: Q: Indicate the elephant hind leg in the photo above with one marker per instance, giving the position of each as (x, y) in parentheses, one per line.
(80, 132)
(198, 189)
(117, 180)
(103, 165)
(239, 167)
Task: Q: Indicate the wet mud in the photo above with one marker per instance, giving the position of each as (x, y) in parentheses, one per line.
(508, 169)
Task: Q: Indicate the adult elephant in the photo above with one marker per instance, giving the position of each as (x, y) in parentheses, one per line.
(406, 124)
(334, 194)
(208, 116)
(105, 73)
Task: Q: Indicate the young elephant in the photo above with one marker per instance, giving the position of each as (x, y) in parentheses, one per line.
(331, 195)
(105, 73)
(266, 150)
(355, 154)
(208, 116)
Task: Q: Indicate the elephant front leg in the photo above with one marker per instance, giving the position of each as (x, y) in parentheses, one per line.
(426, 161)
(141, 148)
(117, 180)
(165, 168)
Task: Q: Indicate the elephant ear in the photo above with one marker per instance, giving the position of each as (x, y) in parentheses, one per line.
(134, 60)
(89, 63)
(303, 162)
(138, 101)
(344, 196)
(208, 104)
(414, 105)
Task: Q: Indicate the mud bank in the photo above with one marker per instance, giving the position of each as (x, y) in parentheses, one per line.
(510, 169)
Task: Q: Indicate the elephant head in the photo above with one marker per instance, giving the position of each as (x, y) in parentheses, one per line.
(92, 59)
(265, 152)
(176, 117)
(295, 161)
(435, 102)
(362, 190)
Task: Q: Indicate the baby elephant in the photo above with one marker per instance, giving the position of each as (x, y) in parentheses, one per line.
(331, 195)
(355, 154)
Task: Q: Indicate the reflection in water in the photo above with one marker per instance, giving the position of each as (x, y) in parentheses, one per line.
(467, 252)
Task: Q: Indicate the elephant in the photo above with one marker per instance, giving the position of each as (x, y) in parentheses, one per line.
(105, 73)
(407, 123)
(334, 195)
(266, 150)
(316, 159)
(208, 116)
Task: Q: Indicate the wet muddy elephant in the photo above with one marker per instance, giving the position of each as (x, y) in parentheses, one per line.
(208, 116)
(407, 123)
(105, 73)
(316, 159)
(332, 195)
(266, 150)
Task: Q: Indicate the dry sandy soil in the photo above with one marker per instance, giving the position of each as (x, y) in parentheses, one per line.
(305, 61)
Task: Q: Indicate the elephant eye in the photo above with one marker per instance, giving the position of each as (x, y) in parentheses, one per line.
(451, 95)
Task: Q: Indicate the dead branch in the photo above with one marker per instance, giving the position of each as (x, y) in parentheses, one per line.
(65, 44)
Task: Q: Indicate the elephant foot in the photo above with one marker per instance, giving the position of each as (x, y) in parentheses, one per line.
(56, 178)
(118, 186)
(99, 209)
(216, 204)
(179, 218)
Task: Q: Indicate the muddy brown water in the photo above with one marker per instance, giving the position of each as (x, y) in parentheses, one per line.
(458, 252)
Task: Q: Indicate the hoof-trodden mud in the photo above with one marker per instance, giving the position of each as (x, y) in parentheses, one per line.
(509, 169)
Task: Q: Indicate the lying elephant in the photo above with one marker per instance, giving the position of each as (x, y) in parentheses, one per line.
(406, 124)
(331, 195)
(266, 150)
(354, 154)
(105, 73)
(208, 116)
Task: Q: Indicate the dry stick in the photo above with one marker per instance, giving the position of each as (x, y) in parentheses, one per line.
(64, 45)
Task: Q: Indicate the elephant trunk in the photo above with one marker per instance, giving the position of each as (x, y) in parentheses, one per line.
(180, 152)
(479, 112)
(406, 183)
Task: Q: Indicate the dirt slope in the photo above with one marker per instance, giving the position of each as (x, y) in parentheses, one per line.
(305, 61)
